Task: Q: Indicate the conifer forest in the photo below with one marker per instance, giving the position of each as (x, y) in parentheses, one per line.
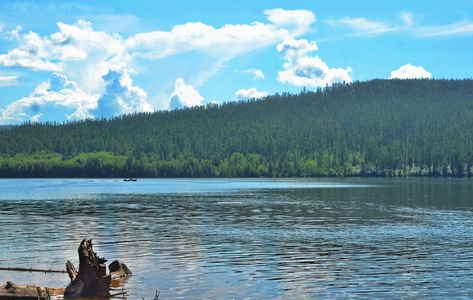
(391, 128)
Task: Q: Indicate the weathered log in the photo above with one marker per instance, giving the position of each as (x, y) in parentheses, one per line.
(119, 270)
(11, 291)
(91, 280)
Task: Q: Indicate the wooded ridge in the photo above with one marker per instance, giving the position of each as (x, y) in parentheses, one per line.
(373, 128)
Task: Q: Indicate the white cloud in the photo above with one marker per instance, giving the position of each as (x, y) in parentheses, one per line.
(36, 118)
(251, 93)
(58, 82)
(25, 59)
(8, 80)
(292, 49)
(56, 99)
(461, 28)
(59, 99)
(184, 96)
(120, 96)
(408, 19)
(32, 54)
(74, 42)
(71, 43)
(304, 70)
(410, 72)
(362, 26)
(258, 74)
(87, 57)
(13, 34)
(369, 28)
(296, 21)
(225, 42)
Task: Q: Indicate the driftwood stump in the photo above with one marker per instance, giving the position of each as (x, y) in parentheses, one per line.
(119, 270)
(91, 280)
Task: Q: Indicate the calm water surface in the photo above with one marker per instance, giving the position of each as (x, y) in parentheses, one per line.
(250, 238)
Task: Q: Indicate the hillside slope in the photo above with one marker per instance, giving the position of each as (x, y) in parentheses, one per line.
(379, 127)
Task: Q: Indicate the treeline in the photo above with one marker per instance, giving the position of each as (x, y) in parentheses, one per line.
(374, 128)
(106, 164)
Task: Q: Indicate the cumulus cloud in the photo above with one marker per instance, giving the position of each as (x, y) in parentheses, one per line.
(87, 54)
(76, 42)
(32, 54)
(56, 99)
(59, 99)
(369, 28)
(258, 74)
(296, 21)
(120, 96)
(410, 72)
(251, 93)
(301, 69)
(59, 82)
(184, 96)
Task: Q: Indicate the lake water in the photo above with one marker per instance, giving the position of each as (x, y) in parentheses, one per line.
(248, 238)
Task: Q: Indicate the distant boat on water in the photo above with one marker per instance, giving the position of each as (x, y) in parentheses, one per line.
(130, 179)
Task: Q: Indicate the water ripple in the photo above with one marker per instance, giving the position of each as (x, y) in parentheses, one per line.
(256, 239)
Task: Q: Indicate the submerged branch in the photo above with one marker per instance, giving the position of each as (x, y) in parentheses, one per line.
(32, 270)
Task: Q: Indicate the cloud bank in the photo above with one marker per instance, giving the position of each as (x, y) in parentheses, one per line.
(88, 60)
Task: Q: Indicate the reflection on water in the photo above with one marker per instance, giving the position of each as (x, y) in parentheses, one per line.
(248, 239)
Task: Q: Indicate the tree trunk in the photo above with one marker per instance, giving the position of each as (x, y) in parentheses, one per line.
(91, 280)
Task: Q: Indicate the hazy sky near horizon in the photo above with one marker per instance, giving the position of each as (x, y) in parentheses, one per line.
(63, 60)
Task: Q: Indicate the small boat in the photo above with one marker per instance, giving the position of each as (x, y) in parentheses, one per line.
(130, 179)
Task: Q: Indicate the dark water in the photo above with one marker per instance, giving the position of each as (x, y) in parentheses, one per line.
(249, 239)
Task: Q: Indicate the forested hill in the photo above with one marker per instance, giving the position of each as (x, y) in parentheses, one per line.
(374, 128)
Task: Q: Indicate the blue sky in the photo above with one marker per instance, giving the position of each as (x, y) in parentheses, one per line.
(64, 60)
